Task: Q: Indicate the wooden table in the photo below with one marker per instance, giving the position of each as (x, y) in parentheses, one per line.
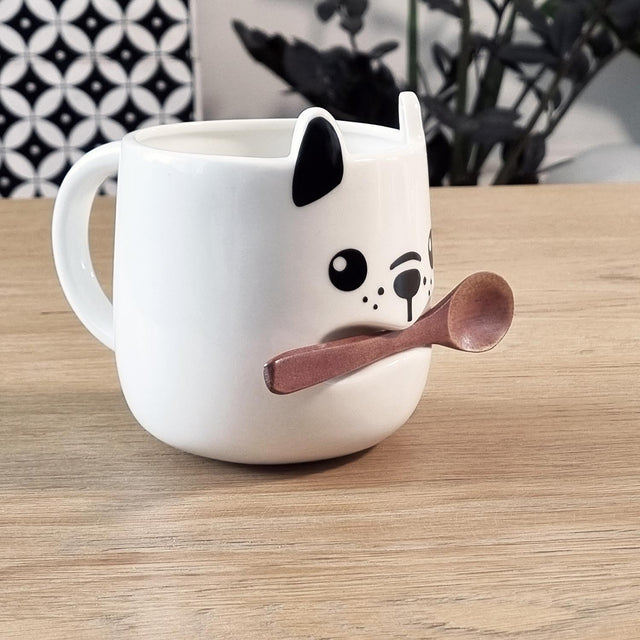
(507, 507)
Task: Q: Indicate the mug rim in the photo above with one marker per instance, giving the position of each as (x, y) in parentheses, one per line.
(388, 140)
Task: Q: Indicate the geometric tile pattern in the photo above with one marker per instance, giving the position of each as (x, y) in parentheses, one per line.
(77, 73)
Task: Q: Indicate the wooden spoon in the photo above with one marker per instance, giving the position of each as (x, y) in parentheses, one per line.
(472, 317)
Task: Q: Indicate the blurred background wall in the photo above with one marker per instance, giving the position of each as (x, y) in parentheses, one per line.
(235, 86)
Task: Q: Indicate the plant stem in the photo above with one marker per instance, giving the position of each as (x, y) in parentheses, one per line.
(460, 142)
(528, 87)
(412, 46)
(422, 76)
(506, 171)
(489, 88)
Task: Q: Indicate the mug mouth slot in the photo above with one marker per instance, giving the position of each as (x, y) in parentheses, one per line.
(268, 138)
(351, 331)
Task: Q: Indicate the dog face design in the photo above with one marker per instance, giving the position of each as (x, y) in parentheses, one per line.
(348, 272)
(374, 246)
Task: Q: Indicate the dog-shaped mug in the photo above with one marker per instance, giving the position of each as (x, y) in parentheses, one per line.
(239, 240)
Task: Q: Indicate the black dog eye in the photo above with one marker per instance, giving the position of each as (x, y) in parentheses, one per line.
(348, 270)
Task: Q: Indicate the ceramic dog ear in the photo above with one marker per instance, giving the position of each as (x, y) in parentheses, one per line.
(319, 166)
(411, 125)
(410, 114)
(317, 145)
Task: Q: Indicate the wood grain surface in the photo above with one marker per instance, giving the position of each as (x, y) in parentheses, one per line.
(508, 507)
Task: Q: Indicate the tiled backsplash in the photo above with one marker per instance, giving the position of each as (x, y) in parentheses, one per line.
(77, 73)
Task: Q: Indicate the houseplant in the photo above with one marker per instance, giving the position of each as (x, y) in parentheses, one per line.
(551, 49)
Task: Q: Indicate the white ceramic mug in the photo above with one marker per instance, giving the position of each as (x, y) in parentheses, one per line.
(238, 240)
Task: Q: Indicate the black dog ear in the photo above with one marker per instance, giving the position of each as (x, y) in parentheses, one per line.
(319, 167)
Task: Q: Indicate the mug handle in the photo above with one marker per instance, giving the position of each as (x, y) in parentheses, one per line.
(70, 238)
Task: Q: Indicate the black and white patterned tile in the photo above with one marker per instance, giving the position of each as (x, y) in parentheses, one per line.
(77, 73)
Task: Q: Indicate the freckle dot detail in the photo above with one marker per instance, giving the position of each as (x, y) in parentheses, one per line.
(380, 291)
(375, 306)
(365, 299)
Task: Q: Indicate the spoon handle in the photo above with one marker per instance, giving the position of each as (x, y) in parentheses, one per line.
(307, 366)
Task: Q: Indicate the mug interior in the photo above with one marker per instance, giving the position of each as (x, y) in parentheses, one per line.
(257, 138)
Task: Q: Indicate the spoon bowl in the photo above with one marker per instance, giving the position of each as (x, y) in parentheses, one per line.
(479, 312)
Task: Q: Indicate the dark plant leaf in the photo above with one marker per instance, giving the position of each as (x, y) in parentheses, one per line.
(268, 50)
(566, 27)
(543, 93)
(439, 155)
(507, 148)
(495, 125)
(529, 158)
(556, 97)
(479, 42)
(532, 85)
(494, 5)
(579, 67)
(625, 16)
(591, 8)
(304, 68)
(442, 59)
(549, 7)
(524, 178)
(498, 114)
(491, 134)
(357, 89)
(634, 47)
(522, 53)
(355, 8)
(326, 9)
(351, 24)
(382, 49)
(508, 63)
(349, 84)
(533, 153)
(441, 111)
(535, 16)
(448, 6)
(601, 43)
(491, 81)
